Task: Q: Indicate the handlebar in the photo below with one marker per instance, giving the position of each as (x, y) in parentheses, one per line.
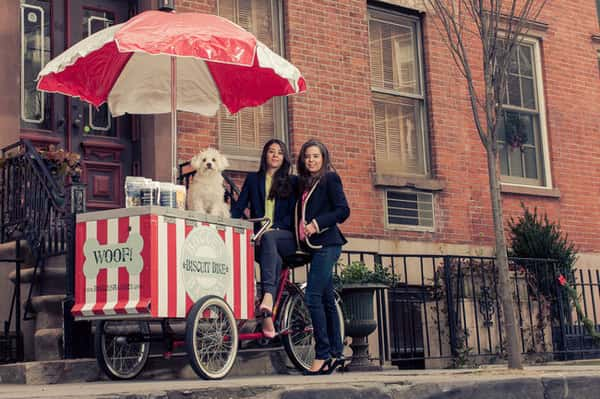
(256, 236)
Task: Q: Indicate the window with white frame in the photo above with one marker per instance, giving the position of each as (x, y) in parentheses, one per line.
(398, 93)
(522, 136)
(409, 208)
(245, 133)
(35, 53)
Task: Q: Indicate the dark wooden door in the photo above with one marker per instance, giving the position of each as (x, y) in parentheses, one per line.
(109, 146)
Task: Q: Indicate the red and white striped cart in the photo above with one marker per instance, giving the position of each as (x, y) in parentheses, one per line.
(178, 278)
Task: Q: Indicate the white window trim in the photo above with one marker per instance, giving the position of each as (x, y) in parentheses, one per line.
(379, 14)
(22, 62)
(402, 227)
(545, 151)
(280, 104)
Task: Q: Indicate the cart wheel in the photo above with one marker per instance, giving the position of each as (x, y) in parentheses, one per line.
(299, 343)
(121, 357)
(211, 338)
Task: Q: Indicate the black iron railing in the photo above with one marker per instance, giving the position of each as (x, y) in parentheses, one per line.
(445, 310)
(32, 209)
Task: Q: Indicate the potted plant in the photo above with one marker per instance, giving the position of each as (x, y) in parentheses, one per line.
(357, 285)
(62, 164)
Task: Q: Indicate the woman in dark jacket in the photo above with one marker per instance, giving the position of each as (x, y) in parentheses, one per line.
(321, 206)
(270, 192)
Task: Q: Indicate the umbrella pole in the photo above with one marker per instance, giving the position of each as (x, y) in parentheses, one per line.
(174, 120)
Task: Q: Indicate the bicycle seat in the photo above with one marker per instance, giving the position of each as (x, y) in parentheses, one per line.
(298, 258)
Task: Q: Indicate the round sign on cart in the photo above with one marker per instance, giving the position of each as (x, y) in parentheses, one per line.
(205, 263)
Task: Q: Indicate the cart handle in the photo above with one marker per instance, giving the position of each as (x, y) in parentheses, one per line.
(256, 236)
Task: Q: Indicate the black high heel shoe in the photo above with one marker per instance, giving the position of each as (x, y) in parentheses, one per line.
(339, 362)
(325, 368)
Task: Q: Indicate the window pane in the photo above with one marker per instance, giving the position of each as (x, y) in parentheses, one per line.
(245, 132)
(35, 53)
(514, 91)
(525, 61)
(528, 93)
(97, 121)
(530, 163)
(515, 162)
(503, 159)
(394, 63)
(398, 135)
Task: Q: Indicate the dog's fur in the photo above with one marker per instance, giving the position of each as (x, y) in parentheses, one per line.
(206, 191)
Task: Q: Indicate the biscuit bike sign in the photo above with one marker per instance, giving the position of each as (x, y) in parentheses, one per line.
(205, 264)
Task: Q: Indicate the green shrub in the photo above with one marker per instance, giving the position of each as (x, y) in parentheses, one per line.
(533, 235)
(357, 272)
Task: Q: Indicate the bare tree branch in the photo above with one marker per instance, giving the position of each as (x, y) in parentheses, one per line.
(500, 26)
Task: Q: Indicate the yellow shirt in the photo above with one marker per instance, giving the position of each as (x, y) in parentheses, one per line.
(269, 203)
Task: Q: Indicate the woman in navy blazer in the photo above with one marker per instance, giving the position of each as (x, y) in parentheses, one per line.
(321, 206)
(270, 192)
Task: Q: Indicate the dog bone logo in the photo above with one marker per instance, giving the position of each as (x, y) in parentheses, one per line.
(112, 256)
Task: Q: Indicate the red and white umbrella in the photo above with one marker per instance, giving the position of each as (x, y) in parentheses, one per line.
(159, 62)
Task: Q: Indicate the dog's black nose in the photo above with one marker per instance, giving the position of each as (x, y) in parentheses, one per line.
(208, 165)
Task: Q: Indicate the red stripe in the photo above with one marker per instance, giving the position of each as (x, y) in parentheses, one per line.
(143, 307)
(123, 279)
(249, 274)
(188, 301)
(237, 283)
(80, 234)
(150, 255)
(172, 268)
(101, 280)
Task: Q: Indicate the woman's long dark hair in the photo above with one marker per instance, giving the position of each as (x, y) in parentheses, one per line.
(305, 179)
(281, 186)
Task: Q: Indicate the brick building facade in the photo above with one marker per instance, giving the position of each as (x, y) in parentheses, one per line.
(558, 108)
(383, 94)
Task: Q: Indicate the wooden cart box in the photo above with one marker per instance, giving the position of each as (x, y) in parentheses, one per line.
(157, 262)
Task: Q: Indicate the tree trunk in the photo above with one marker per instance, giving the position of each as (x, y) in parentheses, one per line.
(506, 297)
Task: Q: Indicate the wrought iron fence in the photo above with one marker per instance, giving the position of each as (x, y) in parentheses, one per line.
(445, 311)
(34, 208)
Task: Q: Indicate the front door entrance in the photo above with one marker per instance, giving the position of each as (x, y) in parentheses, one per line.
(109, 147)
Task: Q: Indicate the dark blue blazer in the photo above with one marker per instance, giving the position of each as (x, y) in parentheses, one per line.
(326, 204)
(252, 197)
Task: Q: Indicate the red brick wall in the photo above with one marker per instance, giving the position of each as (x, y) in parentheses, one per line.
(328, 41)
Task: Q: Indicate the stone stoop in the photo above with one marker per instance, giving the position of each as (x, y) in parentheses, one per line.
(264, 363)
(46, 307)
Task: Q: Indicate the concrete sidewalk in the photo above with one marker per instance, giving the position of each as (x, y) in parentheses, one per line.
(544, 382)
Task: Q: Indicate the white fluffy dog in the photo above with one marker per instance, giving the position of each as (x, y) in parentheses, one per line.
(206, 191)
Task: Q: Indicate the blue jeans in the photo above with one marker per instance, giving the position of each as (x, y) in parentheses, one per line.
(274, 244)
(320, 300)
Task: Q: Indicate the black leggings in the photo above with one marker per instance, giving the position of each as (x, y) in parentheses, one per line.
(274, 244)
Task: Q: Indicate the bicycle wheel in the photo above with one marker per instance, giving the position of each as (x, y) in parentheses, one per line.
(211, 338)
(121, 356)
(299, 342)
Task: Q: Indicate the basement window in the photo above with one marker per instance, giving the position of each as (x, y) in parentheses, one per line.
(409, 209)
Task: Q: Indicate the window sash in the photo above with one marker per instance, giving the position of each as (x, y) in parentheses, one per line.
(401, 142)
(244, 133)
(399, 139)
(523, 161)
(390, 43)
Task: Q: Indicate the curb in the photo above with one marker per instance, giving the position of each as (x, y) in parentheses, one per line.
(575, 387)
